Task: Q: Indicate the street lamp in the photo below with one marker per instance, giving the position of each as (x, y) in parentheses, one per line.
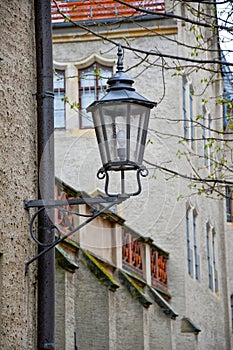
(121, 120)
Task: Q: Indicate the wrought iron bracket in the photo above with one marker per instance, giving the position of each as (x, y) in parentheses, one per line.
(38, 203)
(94, 207)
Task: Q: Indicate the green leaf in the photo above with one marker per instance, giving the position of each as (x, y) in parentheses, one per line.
(199, 116)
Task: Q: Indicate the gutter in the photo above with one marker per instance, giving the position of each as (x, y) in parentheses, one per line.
(45, 127)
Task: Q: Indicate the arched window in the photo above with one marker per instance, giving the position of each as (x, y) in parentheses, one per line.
(187, 100)
(191, 241)
(211, 258)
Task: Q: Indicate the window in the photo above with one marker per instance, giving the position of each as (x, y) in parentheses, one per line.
(92, 86)
(191, 116)
(184, 88)
(211, 258)
(187, 100)
(227, 110)
(59, 98)
(188, 242)
(229, 204)
(132, 252)
(191, 242)
(195, 255)
(232, 312)
(207, 138)
(204, 134)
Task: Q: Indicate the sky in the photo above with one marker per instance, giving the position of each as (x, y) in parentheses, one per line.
(225, 12)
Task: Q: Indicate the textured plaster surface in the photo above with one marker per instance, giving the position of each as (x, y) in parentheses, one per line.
(17, 173)
(92, 309)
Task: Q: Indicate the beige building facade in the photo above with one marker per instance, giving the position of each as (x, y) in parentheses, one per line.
(191, 227)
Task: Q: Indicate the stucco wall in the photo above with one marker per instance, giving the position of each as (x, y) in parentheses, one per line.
(92, 310)
(17, 174)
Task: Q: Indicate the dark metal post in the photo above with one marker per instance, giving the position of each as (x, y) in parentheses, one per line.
(46, 263)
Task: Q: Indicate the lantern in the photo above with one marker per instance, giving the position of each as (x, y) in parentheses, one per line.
(121, 121)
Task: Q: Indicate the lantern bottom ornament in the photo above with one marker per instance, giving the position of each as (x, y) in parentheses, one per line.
(141, 171)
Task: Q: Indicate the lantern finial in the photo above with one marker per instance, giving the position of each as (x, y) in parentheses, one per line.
(120, 66)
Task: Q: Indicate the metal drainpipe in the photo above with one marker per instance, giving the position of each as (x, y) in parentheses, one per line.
(45, 125)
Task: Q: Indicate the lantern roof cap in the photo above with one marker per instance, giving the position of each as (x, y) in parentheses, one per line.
(120, 88)
(120, 80)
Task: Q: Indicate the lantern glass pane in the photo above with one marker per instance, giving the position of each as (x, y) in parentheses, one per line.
(139, 118)
(121, 131)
